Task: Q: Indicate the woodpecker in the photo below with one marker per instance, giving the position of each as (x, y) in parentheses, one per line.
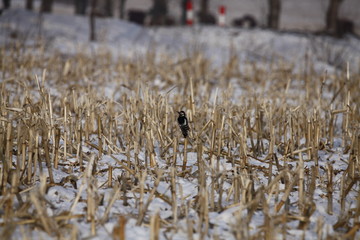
(183, 123)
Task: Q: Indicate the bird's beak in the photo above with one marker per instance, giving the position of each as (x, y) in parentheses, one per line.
(178, 112)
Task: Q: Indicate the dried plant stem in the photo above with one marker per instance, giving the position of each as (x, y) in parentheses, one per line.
(330, 189)
(301, 183)
(185, 155)
(155, 227)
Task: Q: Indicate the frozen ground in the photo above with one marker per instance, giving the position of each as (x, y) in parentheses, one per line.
(69, 35)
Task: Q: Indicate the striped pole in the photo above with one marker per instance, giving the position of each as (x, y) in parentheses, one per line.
(189, 13)
(222, 16)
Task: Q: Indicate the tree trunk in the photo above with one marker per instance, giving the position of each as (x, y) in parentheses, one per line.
(29, 5)
(80, 6)
(158, 12)
(204, 6)
(332, 15)
(109, 8)
(92, 21)
(183, 11)
(122, 9)
(274, 13)
(6, 4)
(46, 6)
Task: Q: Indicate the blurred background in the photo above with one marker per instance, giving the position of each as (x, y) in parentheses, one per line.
(332, 17)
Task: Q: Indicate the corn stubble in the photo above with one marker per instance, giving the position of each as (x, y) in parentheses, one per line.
(54, 106)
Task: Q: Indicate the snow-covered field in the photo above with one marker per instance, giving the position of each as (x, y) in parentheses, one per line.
(273, 151)
(305, 15)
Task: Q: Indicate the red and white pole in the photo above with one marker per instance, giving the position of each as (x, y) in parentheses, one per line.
(222, 16)
(189, 13)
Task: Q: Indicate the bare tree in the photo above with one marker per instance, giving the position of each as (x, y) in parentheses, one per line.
(274, 14)
(46, 5)
(6, 4)
(332, 16)
(104, 8)
(183, 11)
(108, 8)
(29, 5)
(122, 9)
(204, 6)
(158, 12)
(92, 20)
(204, 15)
(80, 6)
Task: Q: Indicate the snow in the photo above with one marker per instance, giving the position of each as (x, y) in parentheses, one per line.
(295, 15)
(130, 40)
(69, 35)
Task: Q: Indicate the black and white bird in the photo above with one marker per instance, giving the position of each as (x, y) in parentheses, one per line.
(183, 123)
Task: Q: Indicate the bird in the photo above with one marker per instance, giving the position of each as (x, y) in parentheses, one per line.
(183, 123)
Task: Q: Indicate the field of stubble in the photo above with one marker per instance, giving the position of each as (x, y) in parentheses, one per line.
(90, 147)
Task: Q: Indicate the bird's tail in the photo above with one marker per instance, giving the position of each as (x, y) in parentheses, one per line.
(184, 130)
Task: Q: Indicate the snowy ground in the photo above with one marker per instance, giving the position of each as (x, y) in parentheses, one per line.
(305, 15)
(69, 35)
